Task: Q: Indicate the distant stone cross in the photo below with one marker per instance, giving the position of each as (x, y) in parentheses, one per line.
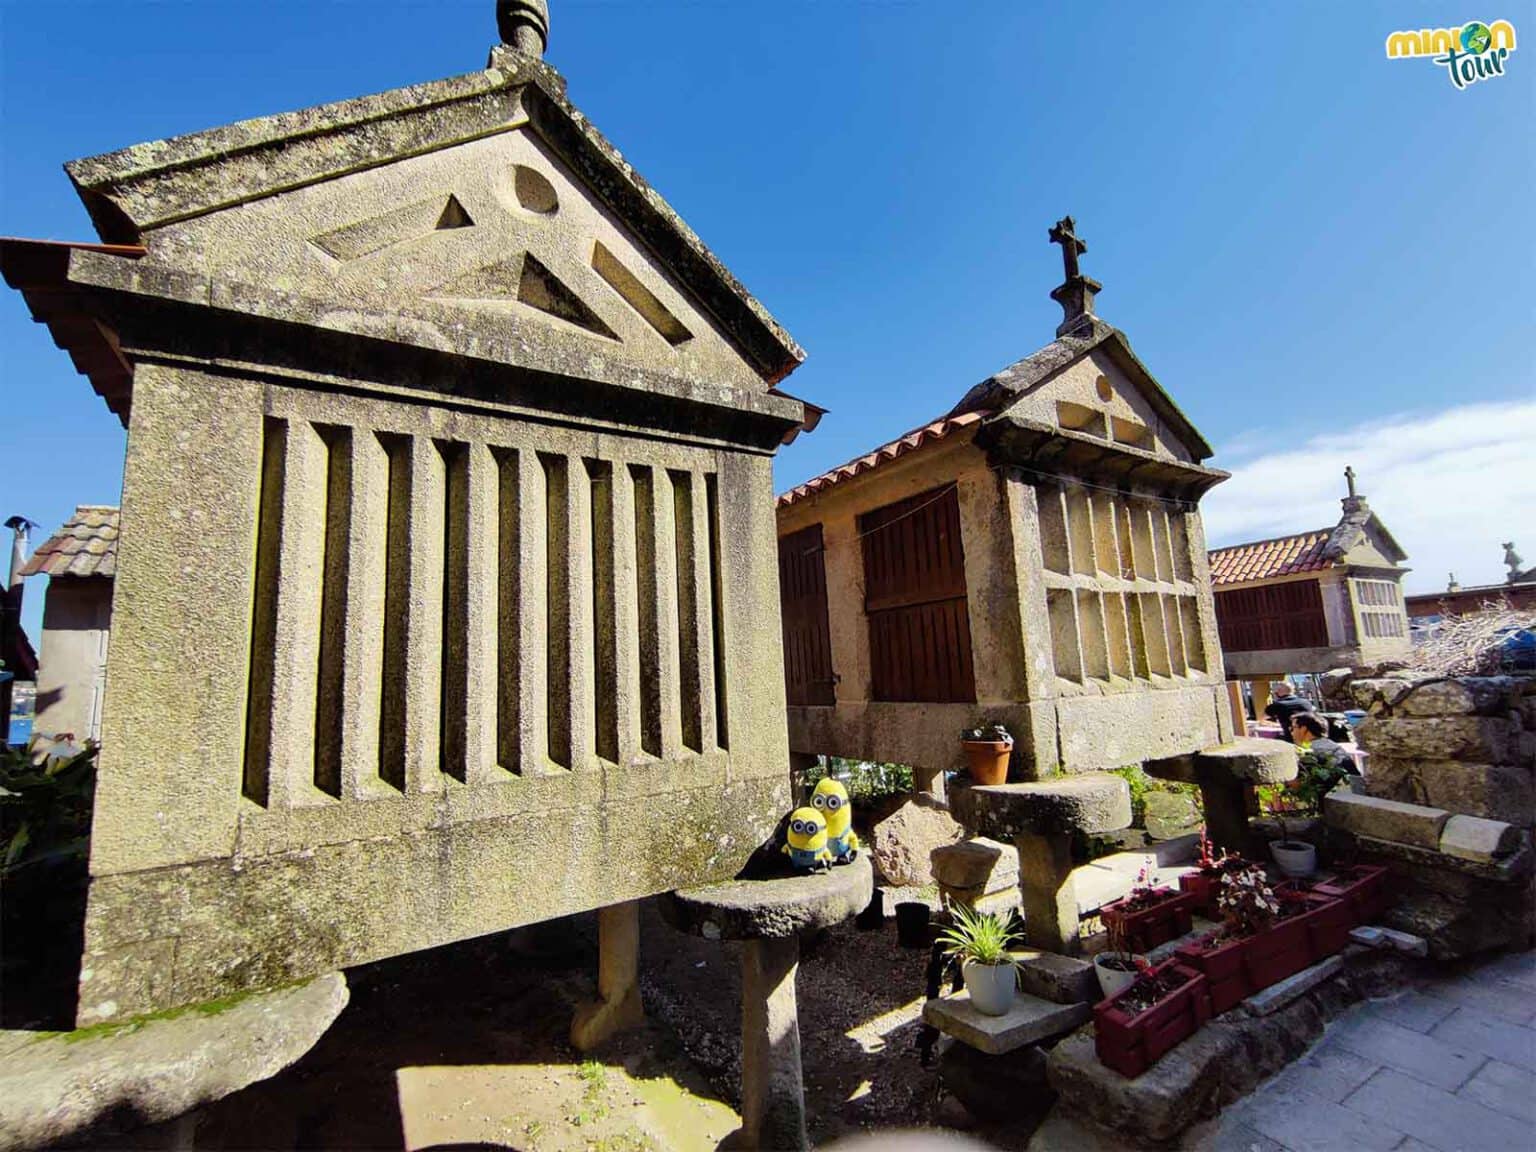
(1349, 478)
(1063, 233)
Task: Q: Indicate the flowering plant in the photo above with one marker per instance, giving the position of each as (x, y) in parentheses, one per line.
(1247, 903)
(1212, 863)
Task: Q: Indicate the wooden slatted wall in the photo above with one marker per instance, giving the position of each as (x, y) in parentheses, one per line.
(915, 597)
(803, 599)
(1270, 617)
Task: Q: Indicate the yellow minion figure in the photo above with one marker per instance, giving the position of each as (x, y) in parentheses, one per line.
(806, 840)
(831, 800)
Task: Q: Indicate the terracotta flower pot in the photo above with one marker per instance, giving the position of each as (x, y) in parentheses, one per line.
(988, 760)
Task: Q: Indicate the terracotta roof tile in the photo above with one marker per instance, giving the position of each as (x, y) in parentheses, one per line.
(1263, 559)
(901, 446)
(85, 546)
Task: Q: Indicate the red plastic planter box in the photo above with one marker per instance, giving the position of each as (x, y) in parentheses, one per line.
(1201, 890)
(1225, 974)
(1364, 886)
(1281, 951)
(1146, 928)
(1131, 1043)
(1328, 924)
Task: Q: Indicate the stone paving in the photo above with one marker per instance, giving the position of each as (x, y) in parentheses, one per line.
(1450, 1067)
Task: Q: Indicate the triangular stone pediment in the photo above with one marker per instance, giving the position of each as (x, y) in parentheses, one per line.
(494, 236)
(1100, 395)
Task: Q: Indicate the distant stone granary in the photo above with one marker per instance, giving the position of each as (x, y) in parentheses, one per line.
(1312, 602)
(80, 561)
(1034, 557)
(446, 597)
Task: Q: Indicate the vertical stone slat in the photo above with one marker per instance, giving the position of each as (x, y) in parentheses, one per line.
(717, 610)
(453, 658)
(659, 649)
(296, 636)
(626, 615)
(481, 742)
(531, 651)
(363, 649)
(397, 600)
(604, 627)
(424, 619)
(701, 597)
(257, 763)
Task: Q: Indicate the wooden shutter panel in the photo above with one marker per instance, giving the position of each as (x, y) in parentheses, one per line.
(915, 598)
(803, 600)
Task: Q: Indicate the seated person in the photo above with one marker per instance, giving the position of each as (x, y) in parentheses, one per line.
(1309, 732)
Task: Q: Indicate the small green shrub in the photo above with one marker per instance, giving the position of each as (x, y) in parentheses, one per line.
(865, 780)
(45, 807)
(980, 936)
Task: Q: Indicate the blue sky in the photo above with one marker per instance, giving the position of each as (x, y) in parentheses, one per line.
(1323, 254)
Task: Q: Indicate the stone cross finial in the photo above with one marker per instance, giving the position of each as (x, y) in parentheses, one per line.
(1349, 478)
(524, 25)
(1064, 232)
(1075, 295)
(1512, 560)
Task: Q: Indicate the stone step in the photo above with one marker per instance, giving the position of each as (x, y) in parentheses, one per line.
(1029, 1021)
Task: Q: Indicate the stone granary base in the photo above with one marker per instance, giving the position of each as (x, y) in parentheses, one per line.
(769, 915)
(1227, 774)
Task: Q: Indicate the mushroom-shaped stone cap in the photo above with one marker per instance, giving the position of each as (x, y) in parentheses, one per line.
(772, 909)
(1093, 802)
(1249, 759)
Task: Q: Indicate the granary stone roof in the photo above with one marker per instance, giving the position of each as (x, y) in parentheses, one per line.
(85, 546)
(1265, 559)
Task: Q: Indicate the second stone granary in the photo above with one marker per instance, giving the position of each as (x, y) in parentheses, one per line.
(1034, 557)
(1314, 601)
(445, 599)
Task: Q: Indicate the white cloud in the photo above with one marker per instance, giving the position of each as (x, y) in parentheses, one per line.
(1449, 485)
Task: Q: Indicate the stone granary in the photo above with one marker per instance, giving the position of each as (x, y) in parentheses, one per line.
(79, 560)
(1312, 602)
(445, 595)
(1035, 558)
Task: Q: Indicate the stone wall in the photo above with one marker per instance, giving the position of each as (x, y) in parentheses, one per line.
(1465, 745)
(1448, 803)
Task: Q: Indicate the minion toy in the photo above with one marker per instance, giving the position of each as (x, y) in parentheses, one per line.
(831, 800)
(806, 840)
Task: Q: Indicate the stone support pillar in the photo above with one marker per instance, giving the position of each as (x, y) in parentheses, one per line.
(772, 1096)
(1050, 895)
(618, 1007)
(1226, 800)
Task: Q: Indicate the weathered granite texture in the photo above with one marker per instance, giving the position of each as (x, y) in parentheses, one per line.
(446, 599)
(1464, 744)
(1097, 802)
(772, 908)
(90, 1085)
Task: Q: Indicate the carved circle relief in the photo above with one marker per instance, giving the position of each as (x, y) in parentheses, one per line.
(1103, 387)
(533, 190)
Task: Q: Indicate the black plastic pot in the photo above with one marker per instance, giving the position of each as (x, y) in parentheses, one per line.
(912, 924)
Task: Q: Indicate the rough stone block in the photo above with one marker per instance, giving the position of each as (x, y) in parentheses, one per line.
(980, 863)
(1492, 791)
(1286, 991)
(1029, 1021)
(1385, 819)
(1008, 1088)
(1473, 838)
(1377, 695)
(1171, 815)
(902, 844)
(1369, 935)
(1061, 979)
(1465, 696)
(1406, 942)
(1392, 778)
(1483, 738)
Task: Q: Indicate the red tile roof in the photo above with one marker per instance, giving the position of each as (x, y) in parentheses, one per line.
(1264, 559)
(85, 546)
(911, 442)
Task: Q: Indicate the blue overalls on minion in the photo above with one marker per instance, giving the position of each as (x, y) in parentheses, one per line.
(806, 857)
(841, 847)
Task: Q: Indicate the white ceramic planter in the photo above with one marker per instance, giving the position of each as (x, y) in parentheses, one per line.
(990, 986)
(1296, 858)
(1112, 980)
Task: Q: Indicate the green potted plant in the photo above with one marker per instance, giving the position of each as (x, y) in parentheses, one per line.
(1296, 858)
(981, 942)
(987, 751)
